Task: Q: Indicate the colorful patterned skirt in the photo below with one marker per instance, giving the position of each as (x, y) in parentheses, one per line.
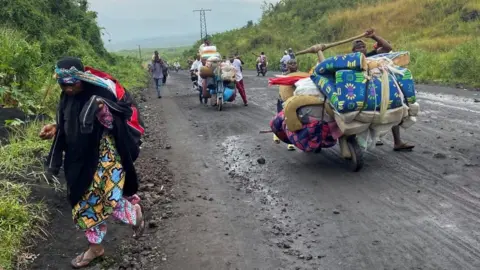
(106, 189)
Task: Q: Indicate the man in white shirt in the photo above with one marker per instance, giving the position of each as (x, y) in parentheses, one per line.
(284, 61)
(239, 78)
(194, 71)
(201, 81)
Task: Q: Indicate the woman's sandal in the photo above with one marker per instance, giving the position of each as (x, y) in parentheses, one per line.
(404, 147)
(139, 229)
(276, 139)
(83, 261)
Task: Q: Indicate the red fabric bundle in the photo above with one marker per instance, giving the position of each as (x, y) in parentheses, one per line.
(288, 80)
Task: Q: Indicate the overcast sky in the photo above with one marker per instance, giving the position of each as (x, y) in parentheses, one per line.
(138, 19)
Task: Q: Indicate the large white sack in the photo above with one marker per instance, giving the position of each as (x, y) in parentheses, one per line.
(306, 87)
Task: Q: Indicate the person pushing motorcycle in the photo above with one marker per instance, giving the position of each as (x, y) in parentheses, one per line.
(382, 46)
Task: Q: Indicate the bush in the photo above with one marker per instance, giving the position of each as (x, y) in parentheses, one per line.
(465, 62)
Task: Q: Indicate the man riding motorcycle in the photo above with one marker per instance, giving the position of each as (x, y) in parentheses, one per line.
(176, 65)
(261, 63)
(283, 62)
(291, 53)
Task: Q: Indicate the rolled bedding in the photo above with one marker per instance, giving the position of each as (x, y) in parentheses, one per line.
(278, 127)
(401, 59)
(210, 53)
(313, 135)
(352, 91)
(352, 61)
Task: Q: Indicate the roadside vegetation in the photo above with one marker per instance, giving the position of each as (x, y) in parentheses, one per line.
(33, 35)
(20, 221)
(441, 35)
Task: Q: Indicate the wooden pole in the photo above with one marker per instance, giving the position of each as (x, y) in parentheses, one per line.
(322, 47)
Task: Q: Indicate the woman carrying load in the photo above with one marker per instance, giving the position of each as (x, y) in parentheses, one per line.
(93, 142)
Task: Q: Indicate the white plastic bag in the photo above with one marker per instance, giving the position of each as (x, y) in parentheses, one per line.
(367, 140)
(306, 87)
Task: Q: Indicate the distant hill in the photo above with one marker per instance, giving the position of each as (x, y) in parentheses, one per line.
(156, 42)
(168, 54)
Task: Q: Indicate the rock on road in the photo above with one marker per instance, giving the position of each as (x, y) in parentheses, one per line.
(413, 210)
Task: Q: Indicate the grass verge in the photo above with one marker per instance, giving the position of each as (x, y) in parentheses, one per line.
(20, 222)
(22, 155)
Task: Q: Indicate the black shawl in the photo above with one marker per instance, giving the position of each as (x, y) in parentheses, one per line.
(78, 137)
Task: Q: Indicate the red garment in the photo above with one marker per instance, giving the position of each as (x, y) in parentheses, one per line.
(134, 121)
(241, 90)
(288, 80)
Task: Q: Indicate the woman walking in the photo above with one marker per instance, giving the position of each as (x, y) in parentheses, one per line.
(93, 142)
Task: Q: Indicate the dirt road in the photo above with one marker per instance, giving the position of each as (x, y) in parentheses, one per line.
(214, 206)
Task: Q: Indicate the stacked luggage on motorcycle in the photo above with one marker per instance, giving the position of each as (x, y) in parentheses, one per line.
(215, 71)
(353, 95)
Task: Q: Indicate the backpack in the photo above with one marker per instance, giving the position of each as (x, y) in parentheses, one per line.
(135, 125)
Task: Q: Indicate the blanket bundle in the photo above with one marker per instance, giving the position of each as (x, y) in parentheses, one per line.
(362, 95)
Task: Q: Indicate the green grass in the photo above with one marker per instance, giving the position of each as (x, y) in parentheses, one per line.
(20, 220)
(21, 157)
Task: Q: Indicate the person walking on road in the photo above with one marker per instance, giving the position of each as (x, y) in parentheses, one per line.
(202, 83)
(237, 64)
(382, 46)
(157, 72)
(241, 61)
(93, 143)
(165, 72)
